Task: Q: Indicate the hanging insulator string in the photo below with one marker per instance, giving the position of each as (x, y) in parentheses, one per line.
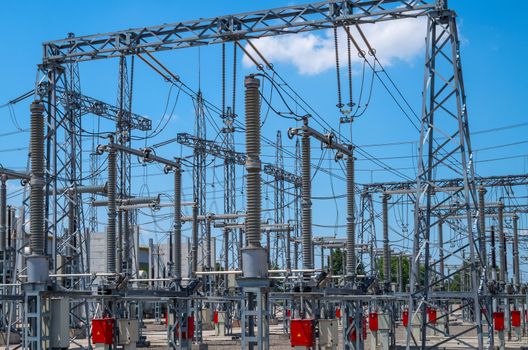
(336, 44)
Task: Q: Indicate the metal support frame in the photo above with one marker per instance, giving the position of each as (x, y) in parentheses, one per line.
(444, 113)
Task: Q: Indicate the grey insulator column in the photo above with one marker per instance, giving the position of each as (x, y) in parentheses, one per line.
(493, 255)
(111, 211)
(502, 245)
(351, 219)
(194, 248)
(306, 202)
(37, 262)
(482, 226)
(252, 100)
(386, 252)
(255, 263)
(3, 215)
(176, 248)
(37, 238)
(516, 266)
(3, 228)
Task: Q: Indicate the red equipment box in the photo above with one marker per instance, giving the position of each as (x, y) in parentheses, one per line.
(187, 335)
(103, 331)
(302, 333)
(352, 336)
(405, 318)
(516, 318)
(498, 321)
(431, 313)
(373, 321)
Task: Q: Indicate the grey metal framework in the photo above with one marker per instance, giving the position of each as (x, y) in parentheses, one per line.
(270, 22)
(409, 187)
(444, 150)
(445, 143)
(219, 151)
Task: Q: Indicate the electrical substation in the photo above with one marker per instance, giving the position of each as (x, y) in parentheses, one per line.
(116, 234)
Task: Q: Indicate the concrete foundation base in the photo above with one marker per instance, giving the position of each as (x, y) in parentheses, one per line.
(201, 346)
(14, 339)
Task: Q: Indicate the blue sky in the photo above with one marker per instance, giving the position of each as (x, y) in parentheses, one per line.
(493, 50)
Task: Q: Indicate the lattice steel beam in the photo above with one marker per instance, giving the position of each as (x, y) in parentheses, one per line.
(88, 105)
(257, 24)
(410, 186)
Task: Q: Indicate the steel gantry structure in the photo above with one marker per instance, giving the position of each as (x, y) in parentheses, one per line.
(445, 148)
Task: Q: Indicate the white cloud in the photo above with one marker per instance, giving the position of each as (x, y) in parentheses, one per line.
(311, 54)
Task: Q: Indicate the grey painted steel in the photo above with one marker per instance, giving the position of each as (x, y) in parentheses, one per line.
(208, 259)
(269, 22)
(351, 218)
(403, 187)
(12, 174)
(230, 156)
(443, 108)
(441, 250)
(88, 105)
(111, 211)
(516, 266)
(482, 226)
(306, 203)
(127, 254)
(503, 275)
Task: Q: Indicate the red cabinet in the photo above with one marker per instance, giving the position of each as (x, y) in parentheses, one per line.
(405, 318)
(516, 318)
(373, 321)
(103, 331)
(498, 321)
(302, 333)
(431, 313)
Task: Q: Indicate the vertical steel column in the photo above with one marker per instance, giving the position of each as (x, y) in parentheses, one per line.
(288, 248)
(516, 266)
(351, 219)
(241, 245)
(306, 201)
(111, 210)
(119, 234)
(482, 226)
(441, 251)
(176, 248)
(386, 253)
(127, 255)
(502, 246)
(226, 250)
(400, 272)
